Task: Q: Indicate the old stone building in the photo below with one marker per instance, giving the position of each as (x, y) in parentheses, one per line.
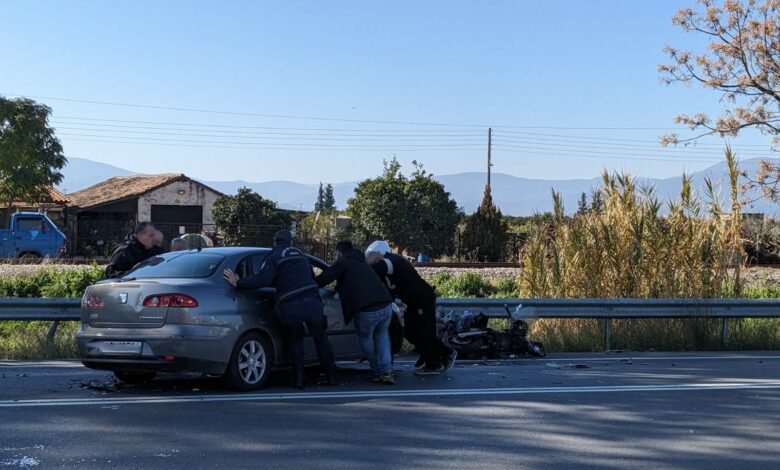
(103, 214)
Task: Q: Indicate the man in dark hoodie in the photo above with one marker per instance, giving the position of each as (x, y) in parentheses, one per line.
(406, 284)
(365, 300)
(288, 270)
(138, 246)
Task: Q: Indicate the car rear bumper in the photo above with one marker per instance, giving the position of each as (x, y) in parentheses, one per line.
(170, 348)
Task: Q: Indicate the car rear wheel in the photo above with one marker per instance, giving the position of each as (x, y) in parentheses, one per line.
(134, 377)
(250, 363)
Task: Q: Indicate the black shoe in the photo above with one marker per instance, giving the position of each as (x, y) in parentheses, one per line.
(387, 378)
(429, 370)
(420, 364)
(300, 379)
(450, 362)
(330, 375)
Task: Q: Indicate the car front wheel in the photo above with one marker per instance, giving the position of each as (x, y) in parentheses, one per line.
(250, 363)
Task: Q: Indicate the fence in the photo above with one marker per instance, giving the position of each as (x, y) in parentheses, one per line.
(57, 310)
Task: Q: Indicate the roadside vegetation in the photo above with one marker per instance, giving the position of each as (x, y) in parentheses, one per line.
(26, 340)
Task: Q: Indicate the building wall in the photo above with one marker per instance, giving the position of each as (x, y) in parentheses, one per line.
(185, 193)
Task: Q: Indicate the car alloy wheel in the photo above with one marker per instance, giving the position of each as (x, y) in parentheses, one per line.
(252, 362)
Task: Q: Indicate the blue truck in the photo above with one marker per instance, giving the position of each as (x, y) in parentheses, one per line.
(31, 235)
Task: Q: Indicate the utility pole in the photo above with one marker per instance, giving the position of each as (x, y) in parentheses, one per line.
(489, 163)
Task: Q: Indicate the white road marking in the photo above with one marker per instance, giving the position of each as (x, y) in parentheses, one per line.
(622, 357)
(270, 396)
(615, 357)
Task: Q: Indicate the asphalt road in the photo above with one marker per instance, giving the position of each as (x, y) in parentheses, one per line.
(715, 410)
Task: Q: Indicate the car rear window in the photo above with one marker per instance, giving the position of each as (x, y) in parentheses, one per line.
(178, 265)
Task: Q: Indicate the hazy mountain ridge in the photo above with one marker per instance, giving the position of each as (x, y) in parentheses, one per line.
(513, 194)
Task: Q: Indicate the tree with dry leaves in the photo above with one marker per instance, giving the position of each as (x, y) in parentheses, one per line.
(741, 62)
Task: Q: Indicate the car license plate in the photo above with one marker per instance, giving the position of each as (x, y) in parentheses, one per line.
(116, 347)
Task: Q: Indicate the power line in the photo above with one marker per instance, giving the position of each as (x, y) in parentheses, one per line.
(271, 135)
(597, 153)
(611, 157)
(278, 144)
(616, 146)
(234, 126)
(319, 118)
(657, 142)
(237, 113)
(301, 137)
(368, 149)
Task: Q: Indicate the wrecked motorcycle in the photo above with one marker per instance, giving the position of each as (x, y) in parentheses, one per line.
(469, 334)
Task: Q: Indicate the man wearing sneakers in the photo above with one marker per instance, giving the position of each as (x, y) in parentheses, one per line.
(366, 301)
(405, 283)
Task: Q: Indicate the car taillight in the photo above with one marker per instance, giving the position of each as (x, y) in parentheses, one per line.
(170, 300)
(95, 301)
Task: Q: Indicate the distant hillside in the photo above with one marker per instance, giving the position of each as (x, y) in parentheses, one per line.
(81, 173)
(514, 195)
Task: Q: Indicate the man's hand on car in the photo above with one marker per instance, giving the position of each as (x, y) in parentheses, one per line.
(230, 277)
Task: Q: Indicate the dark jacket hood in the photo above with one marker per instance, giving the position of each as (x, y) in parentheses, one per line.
(355, 254)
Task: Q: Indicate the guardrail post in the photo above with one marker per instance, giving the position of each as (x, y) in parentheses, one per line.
(607, 333)
(50, 339)
(724, 332)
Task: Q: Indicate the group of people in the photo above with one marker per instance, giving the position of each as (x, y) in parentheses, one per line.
(368, 286)
(145, 241)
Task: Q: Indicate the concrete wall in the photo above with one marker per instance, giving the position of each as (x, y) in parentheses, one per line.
(193, 194)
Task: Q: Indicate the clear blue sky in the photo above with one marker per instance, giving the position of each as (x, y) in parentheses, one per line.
(501, 63)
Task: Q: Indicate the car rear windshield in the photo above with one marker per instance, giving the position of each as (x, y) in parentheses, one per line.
(177, 265)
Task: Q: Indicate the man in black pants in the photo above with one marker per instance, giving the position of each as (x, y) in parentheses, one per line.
(420, 298)
(287, 269)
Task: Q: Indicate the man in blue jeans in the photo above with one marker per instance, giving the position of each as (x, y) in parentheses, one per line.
(365, 300)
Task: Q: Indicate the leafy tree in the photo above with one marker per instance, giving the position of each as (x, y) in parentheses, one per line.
(328, 199)
(247, 218)
(582, 205)
(597, 201)
(412, 213)
(433, 215)
(484, 236)
(30, 154)
(326, 202)
(321, 233)
(741, 62)
(320, 199)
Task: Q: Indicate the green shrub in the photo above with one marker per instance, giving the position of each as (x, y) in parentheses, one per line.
(506, 288)
(464, 285)
(51, 283)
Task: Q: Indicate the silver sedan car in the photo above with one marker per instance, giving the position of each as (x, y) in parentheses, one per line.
(175, 313)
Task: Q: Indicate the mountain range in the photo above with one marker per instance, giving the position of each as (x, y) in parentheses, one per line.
(513, 194)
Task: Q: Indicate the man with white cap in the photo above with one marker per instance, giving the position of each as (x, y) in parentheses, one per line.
(405, 283)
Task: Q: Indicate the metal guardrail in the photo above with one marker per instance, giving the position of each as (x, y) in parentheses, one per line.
(57, 310)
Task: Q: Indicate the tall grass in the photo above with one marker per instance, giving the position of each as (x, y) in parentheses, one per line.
(631, 248)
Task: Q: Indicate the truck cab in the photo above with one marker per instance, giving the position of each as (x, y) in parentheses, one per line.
(31, 235)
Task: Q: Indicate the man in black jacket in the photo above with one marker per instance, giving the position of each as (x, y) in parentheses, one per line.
(138, 246)
(288, 270)
(420, 298)
(367, 301)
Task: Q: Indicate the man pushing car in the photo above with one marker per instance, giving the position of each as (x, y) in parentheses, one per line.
(287, 269)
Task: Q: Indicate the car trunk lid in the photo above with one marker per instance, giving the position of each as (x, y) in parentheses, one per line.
(123, 304)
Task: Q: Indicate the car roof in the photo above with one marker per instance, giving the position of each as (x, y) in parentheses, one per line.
(233, 250)
(238, 250)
